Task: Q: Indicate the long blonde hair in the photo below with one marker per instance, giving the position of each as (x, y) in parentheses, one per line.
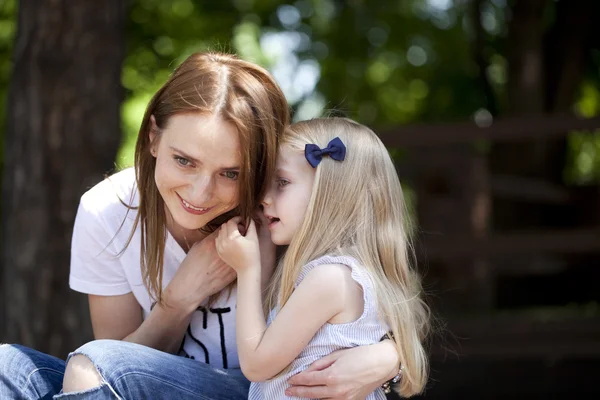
(240, 92)
(357, 209)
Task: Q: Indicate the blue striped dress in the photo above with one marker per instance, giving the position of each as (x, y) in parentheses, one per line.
(367, 329)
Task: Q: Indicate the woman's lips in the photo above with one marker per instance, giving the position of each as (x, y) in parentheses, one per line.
(193, 209)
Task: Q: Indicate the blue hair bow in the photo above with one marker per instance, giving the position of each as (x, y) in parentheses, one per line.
(335, 148)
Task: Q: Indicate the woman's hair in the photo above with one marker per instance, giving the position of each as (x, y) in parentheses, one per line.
(357, 208)
(241, 93)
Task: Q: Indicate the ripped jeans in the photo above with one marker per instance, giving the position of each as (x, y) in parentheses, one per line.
(128, 371)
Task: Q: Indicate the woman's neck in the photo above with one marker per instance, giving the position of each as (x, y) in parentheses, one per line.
(184, 237)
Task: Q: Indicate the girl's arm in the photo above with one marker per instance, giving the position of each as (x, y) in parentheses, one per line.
(264, 352)
(268, 251)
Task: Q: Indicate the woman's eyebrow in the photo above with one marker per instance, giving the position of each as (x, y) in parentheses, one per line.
(196, 161)
(184, 154)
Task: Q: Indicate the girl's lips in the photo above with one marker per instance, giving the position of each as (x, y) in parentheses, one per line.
(272, 221)
(192, 209)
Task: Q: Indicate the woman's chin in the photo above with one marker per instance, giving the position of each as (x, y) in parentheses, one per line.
(191, 222)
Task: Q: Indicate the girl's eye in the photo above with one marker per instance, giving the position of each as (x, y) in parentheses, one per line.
(184, 162)
(233, 175)
(282, 182)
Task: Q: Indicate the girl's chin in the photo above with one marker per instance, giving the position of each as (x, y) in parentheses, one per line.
(279, 242)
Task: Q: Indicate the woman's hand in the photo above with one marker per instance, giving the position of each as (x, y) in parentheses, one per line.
(240, 252)
(347, 374)
(201, 274)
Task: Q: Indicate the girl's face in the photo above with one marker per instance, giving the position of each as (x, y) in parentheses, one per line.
(197, 167)
(287, 199)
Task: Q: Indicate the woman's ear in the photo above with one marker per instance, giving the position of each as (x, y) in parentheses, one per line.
(153, 136)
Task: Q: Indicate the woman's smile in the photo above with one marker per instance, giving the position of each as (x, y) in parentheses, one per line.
(191, 208)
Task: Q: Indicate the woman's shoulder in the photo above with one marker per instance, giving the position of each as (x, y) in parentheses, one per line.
(116, 192)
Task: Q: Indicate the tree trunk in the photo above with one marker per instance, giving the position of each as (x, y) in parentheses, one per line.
(63, 132)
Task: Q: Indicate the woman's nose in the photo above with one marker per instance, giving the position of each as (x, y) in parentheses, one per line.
(201, 190)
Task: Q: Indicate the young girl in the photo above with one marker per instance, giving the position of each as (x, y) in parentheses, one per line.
(345, 279)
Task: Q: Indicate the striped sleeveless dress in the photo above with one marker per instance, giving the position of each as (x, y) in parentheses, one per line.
(367, 329)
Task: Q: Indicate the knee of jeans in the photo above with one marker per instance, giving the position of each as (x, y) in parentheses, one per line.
(28, 373)
(12, 355)
(6, 349)
(80, 374)
(7, 354)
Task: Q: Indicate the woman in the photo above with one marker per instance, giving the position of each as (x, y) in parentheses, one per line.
(205, 152)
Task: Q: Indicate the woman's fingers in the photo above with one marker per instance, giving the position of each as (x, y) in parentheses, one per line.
(309, 378)
(321, 363)
(309, 392)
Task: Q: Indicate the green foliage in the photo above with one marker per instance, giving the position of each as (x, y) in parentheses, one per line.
(161, 34)
(584, 147)
(382, 62)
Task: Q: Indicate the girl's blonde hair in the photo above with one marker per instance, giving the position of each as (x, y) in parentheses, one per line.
(241, 93)
(357, 209)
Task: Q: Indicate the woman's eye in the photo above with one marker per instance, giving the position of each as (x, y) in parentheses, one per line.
(233, 175)
(184, 162)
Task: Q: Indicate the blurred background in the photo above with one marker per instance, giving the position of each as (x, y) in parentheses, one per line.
(490, 108)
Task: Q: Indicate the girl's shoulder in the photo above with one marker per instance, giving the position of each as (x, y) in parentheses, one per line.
(354, 268)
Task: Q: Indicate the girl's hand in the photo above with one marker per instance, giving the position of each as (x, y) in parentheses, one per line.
(201, 274)
(346, 374)
(267, 248)
(239, 252)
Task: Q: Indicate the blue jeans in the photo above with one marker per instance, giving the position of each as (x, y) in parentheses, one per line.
(128, 370)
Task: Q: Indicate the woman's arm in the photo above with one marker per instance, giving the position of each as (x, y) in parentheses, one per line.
(120, 318)
(347, 374)
(201, 274)
(97, 270)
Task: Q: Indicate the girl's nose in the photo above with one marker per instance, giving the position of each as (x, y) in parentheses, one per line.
(267, 200)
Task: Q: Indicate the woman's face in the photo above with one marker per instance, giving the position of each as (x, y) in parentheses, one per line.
(197, 167)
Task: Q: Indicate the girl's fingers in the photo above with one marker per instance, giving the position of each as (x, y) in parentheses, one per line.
(251, 234)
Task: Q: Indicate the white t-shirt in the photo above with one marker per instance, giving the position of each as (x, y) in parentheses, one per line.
(102, 227)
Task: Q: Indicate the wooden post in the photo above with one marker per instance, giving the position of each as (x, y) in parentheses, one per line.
(452, 192)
